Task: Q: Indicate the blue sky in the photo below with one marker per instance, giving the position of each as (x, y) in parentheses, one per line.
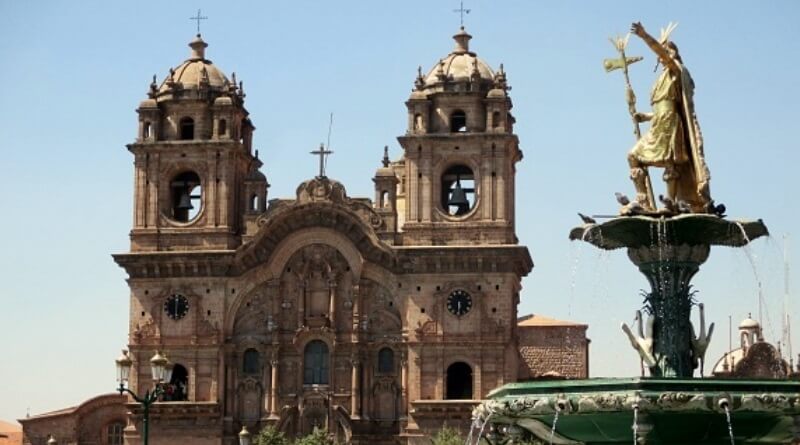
(74, 73)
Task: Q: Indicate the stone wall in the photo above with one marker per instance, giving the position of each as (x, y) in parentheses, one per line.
(554, 351)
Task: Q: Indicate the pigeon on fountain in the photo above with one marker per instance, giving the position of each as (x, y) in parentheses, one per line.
(701, 342)
(587, 219)
(629, 208)
(669, 204)
(716, 209)
(683, 206)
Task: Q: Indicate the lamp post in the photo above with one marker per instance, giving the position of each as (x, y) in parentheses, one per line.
(161, 370)
(244, 436)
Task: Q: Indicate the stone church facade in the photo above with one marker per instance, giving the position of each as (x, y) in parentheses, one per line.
(379, 319)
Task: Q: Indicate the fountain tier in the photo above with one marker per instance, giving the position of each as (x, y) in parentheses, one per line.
(668, 411)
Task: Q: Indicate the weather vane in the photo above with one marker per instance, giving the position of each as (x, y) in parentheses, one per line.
(462, 11)
(198, 18)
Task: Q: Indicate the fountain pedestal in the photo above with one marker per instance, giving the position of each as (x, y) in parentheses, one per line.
(669, 270)
(669, 252)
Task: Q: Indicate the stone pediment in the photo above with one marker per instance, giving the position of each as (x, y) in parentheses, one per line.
(320, 203)
(324, 190)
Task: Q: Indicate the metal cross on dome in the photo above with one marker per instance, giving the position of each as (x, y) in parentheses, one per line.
(462, 11)
(322, 152)
(198, 18)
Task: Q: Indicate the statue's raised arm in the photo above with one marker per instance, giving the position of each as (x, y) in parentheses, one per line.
(664, 56)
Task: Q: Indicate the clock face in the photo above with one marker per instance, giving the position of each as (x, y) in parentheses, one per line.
(459, 302)
(176, 306)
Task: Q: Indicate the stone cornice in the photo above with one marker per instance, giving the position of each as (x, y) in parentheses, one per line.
(140, 265)
(465, 259)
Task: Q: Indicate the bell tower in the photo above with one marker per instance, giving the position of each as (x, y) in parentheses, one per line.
(460, 154)
(197, 184)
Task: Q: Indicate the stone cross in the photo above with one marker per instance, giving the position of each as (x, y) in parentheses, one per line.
(198, 18)
(322, 152)
(462, 11)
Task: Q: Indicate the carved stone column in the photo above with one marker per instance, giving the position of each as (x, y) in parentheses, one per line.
(301, 304)
(273, 389)
(356, 296)
(355, 390)
(332, 303)
(403, 387)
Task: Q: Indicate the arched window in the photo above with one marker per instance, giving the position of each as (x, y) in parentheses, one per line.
(458, 190)
(252, 362)
(187, 128)
(386, 361)
(186, 196)
(178, 388)
(417, 122)
(459, 381)
(222, 127)
(496, 119)
(315, 363)
(384, 199)
(113, 433)
(146, 130)
(254, 203)
(458, 121)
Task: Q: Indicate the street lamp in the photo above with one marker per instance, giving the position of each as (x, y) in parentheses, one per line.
(244, 436)
(161, 370)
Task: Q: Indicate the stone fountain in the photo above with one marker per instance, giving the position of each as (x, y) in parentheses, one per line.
(668, 245)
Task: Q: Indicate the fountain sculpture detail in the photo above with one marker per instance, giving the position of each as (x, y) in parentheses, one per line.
(668, 246)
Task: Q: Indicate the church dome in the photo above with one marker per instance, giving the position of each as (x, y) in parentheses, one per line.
(195, 71)
(748, 324)
(461, 65)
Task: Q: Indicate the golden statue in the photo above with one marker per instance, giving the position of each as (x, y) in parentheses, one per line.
(673, 141)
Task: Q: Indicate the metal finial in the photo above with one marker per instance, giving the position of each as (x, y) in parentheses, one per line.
(385, 156)
(198, 18)
(462, 11)
(322, 152)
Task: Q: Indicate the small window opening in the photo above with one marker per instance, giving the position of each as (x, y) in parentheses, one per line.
(458, 122)
(252, 362)
(459, 381)
(254, 203)
(458, 190)
(315, 366)
(187, 128)
(177, 389)
(114, 433)
(496, 119)
(386, 361)
(384, 199)
(417, 122)
(187, 195)
(222, 127)
(147, 130)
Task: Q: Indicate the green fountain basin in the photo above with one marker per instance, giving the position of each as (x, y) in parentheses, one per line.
(670, 411)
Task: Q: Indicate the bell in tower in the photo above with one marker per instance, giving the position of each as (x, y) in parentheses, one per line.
(460, 153)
